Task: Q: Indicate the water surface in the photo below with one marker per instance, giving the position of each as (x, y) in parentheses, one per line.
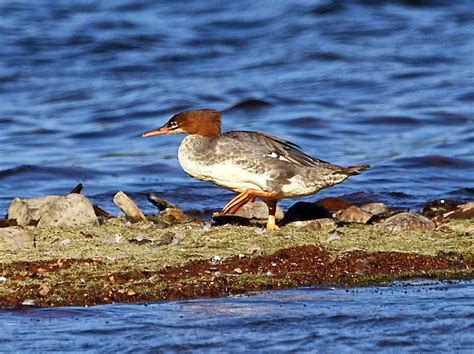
(406, 316)
(388, 83)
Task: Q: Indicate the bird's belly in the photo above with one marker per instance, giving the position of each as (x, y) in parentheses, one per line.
(226, 175)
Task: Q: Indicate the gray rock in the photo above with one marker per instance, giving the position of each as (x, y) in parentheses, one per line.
(257, 210)
(71, 210)
(16, 237)
(406, 221)
(353, 214)
(375, 208)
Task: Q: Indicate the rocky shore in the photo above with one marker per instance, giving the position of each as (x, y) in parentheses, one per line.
(64, 251)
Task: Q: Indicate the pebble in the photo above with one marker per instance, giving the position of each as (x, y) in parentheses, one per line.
(406, 221)
(333, 237)
(44, 289)
(353, 214)
(128, 207)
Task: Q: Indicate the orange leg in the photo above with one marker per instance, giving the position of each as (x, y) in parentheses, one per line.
(271, 224)
(249, 195)
(243, 198)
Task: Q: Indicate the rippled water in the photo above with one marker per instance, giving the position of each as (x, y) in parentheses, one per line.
(414, 316)
(390, 83)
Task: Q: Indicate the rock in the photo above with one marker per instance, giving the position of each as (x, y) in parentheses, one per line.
(160, 203)
(129, 208)
(16, 237)
(219, 220)
(313, 225)
(44, 290)
(440, 207)
(258, 210)
(166, 239)
(175, 215)
(71, 210)
(463, 211)
(333, 204)
(375, 208)
(353, 214)
(406, 221)
(301, 211)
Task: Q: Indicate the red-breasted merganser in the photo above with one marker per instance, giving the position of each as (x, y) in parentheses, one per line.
(253, 164)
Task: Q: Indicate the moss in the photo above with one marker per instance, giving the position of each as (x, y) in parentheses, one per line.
(116, 261)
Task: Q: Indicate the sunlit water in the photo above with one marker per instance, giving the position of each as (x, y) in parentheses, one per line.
(414, 316)
(386, 83)
(390, 83)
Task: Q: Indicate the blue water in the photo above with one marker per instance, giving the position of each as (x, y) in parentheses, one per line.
(413, 316)
(390, 83)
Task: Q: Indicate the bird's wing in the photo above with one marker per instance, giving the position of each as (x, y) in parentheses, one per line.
(262, 144)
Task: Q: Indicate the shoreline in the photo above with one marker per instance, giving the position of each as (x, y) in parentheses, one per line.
(123, 262)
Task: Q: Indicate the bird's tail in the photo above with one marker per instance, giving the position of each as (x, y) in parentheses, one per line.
(354, 170)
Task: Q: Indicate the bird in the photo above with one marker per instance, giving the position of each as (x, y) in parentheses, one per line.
(251, 164)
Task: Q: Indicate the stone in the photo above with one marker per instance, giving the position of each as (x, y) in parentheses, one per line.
(71, 210)
(313, 225)
(437, 208)
(129, 208)
(353, 214)
(301, 211)
(258, 210)
(16, 237)
(175, 215)
(333, 204)
(375, 208)
(463, 211)
(406, 221)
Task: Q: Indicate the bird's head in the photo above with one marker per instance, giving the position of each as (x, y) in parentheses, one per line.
(204, 122)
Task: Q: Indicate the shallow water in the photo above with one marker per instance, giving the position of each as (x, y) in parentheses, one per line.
(386, 83)
(406, 316)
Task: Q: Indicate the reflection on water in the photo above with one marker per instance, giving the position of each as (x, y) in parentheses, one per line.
(407, 316)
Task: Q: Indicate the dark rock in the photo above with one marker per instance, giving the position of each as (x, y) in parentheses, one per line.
(301, 211)
(440, 207)
(406, 221)
(353, 214)
(333, 204)
(77, 189)
(463, 211)
(160, 203)
(219, 220)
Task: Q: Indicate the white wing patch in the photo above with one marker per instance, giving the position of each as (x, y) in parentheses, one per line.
(275, 155)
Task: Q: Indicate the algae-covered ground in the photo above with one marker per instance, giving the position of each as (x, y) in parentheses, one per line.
(123, 262)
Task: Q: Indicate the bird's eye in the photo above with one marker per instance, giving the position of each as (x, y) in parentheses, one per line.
(173, 125)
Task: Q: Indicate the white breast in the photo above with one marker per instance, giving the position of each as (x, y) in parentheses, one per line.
(225, 174)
